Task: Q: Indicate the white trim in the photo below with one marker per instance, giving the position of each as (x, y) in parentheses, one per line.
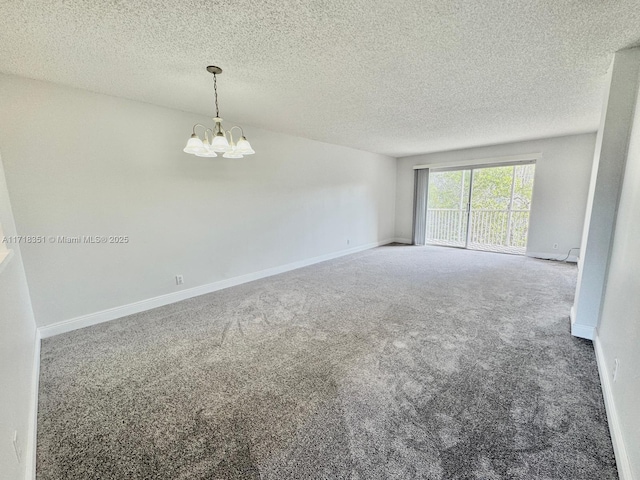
(578, 330)
(5, 258)
(583, 331)
(484, 161)
(118, 312)
(32, 439)
(553, 256)
(622, 459)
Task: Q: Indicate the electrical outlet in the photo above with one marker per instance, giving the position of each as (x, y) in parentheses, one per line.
(179, 280)
(555, 246)
(616, 364)
(16, 446)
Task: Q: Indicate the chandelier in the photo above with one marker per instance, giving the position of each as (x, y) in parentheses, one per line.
(217, 140)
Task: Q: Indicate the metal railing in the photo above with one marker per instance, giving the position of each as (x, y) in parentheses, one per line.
(500, 228)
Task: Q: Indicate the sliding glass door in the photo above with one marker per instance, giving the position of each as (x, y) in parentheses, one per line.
(483, 208)
(448, 207)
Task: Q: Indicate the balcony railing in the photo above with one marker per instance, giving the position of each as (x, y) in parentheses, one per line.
(493, 230)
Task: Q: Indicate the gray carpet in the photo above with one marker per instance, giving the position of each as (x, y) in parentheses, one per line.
(394, 363)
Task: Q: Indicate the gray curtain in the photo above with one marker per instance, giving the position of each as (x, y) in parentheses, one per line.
(420, 193)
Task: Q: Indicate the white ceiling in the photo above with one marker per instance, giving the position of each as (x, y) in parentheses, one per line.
(398, 77)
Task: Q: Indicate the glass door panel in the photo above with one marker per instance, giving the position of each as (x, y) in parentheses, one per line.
(489, 207)
(447, 208)
(521, 205)
(500, 204)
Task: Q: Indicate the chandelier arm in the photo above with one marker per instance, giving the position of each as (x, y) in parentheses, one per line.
(239, 127)
(200, 125)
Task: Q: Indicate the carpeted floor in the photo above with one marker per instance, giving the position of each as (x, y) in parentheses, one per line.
(395, 363)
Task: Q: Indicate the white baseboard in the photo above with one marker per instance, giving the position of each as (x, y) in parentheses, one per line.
(408, 241)
(583, 331)
(553, 256)
(143, 305)
(578, 330)
(622, 460)
(30, 456)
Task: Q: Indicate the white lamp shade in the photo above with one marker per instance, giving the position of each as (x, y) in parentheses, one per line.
(206, 154)
(233, 153)
(220, 144)
(194, 145)
(244, 147)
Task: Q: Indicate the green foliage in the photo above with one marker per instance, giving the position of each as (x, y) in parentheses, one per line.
(491, 188)
(449, 189)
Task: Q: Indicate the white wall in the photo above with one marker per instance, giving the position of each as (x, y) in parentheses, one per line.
(559, 196)
(619, 329)
(80, 163)
(17, 343)
(618, 333)
(604, 192)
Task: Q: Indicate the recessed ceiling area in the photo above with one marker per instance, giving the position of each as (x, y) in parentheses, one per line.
(399, 78)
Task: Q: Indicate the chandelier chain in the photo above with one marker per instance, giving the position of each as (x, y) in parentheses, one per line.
(215, 92)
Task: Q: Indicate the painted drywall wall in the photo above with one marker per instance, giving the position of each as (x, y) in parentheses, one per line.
(560, 188)
(80, 163)
(604, 192)
(619, 328)
(17, 345)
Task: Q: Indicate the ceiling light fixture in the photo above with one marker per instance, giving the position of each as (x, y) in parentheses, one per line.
(215, 139)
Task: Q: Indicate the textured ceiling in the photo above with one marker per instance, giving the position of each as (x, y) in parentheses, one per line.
(396, 76)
